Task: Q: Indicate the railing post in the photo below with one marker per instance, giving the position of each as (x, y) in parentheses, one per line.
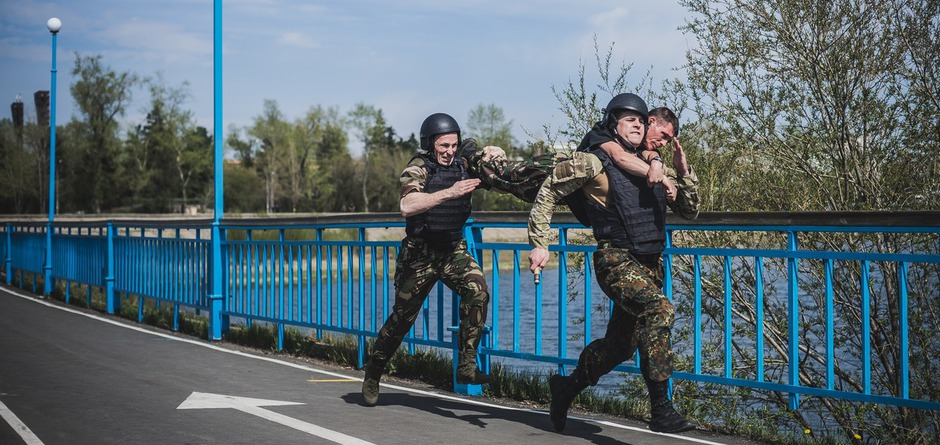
(361, 339)
(112, 302)
(563, 298)
(47, 265)
(473, 236)
(793, 379)
(667, 292)
(280, 260)
(319, 282)
(215, 292)
(476, 237)
(8, 261)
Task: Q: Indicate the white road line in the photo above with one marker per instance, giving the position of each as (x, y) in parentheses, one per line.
(19, 426)
(338, 375)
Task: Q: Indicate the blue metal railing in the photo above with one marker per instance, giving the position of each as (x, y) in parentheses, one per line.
(295, 272)
(157, 261)
(26, 251)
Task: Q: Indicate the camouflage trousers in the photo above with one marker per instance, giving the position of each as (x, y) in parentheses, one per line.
(522, 179)
(419, 267)
(642, 317)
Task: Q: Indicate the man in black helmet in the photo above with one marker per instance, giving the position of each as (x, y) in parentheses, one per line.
(662, 128)
(523, 178)
(627, 214)
(435, 201)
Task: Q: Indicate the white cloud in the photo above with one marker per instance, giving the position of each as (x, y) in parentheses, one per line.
(20, 49)
(159, 41)
(297, 39)
(645, 35)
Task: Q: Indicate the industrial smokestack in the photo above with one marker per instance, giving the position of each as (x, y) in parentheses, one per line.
(41, 98)
(17, 109)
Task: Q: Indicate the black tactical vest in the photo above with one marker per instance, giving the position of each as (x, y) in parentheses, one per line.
(443, 223)
(635, 215)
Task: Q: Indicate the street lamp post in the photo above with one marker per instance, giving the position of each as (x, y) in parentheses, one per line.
(54, 24)
(217, 322)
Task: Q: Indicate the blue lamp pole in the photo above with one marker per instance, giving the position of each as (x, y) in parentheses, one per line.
(54, 25)
(217, 321)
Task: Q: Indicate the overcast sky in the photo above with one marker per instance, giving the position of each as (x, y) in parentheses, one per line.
(409, 58)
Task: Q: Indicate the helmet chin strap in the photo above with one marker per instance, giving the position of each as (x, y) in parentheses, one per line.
(624, 142)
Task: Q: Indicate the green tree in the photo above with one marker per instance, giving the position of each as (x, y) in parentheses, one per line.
(324, 127)
(384, 171)
(271, 137)
(244, 189)
(302, 164)
(824, 106)
(241, 145)
(312, 144)
(18, 169)
(194, 165)
(101, 95)
(488, 125)
(167, 151)
(381, 148)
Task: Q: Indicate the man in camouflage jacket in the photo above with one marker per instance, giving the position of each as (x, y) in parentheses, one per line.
(627, 214)
(435, 201)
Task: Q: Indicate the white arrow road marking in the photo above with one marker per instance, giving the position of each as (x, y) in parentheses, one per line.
(202, 400)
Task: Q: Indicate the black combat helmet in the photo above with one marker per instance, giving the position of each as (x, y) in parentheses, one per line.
(624, 101)
(435, 124)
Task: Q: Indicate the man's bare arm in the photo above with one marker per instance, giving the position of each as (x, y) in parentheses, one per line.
(630, 163)
(420, 202)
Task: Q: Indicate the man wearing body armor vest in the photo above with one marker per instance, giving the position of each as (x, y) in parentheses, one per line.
(435, 201)
(524, 178)
(627, 214)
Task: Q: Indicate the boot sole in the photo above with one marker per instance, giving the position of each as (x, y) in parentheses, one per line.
(474, 382)
(674, 430)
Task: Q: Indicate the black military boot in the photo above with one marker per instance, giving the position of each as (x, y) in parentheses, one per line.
(469, 374)
(564, 390)
(370, 385)
(663, 417)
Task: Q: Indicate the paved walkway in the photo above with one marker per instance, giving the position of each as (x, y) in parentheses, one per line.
(70, 376)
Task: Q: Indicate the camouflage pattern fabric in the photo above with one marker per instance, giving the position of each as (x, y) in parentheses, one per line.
(566, 177)
(584, 171)
(419, 267)
(642, 317)
(687, 200)
(414, 177)
(522, 179)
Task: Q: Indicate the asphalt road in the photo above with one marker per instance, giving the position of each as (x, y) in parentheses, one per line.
(70, 376)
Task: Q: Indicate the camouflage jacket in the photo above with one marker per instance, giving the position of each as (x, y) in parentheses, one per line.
(584, 171)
